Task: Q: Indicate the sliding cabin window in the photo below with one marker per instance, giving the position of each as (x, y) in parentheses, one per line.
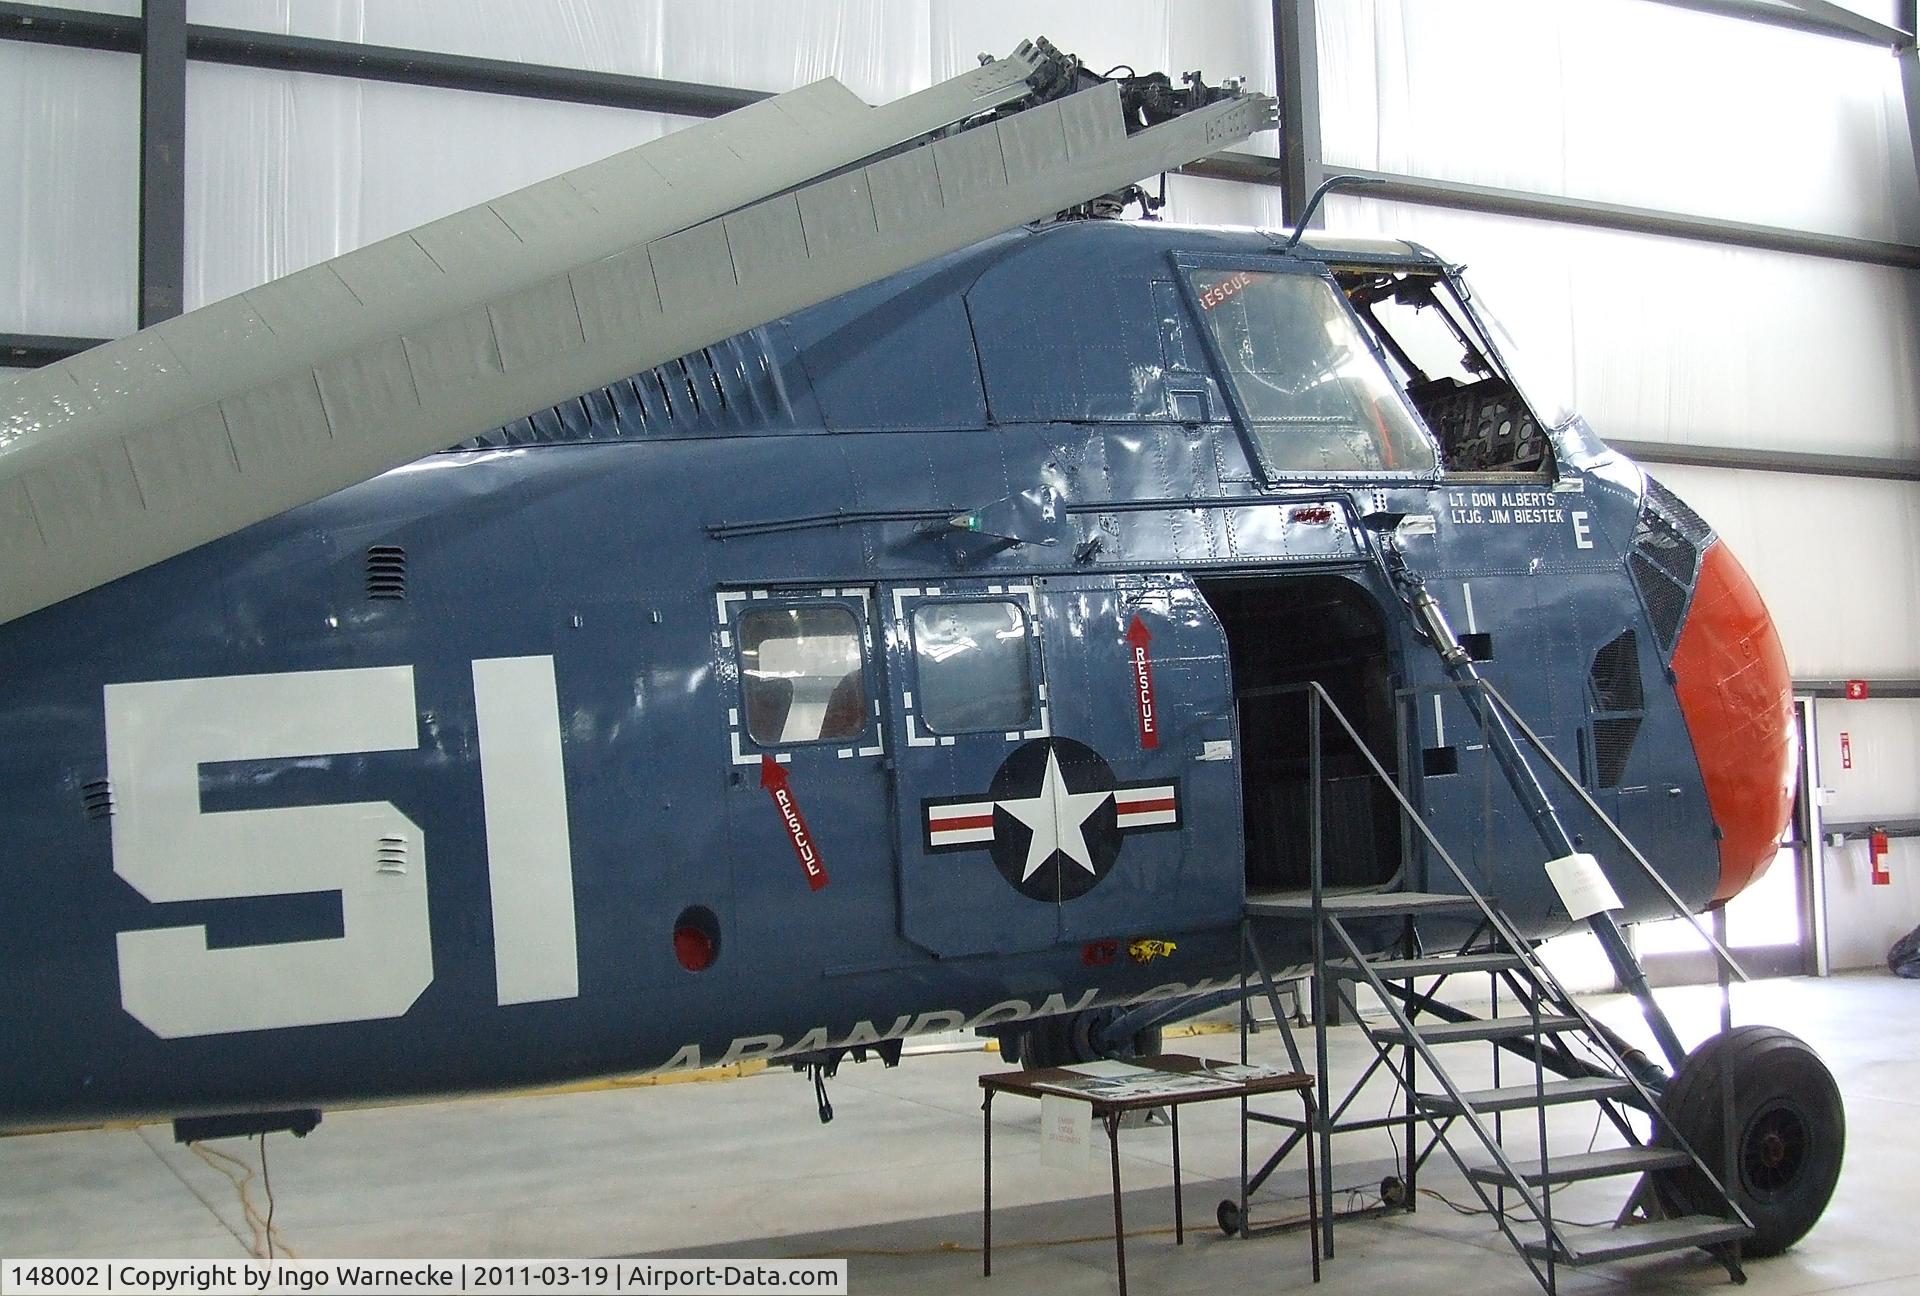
(1311, 389)
(802, 676)
(1449, 374)
(975, 666)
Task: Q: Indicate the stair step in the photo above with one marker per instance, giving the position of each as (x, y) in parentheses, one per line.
(1357, 904)
(1585, 1246)
(1516, 1097)
(1587, 1165)
(1438, 965)
(1492, 1028)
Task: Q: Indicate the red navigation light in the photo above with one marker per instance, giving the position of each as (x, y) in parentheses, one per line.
(695, 940)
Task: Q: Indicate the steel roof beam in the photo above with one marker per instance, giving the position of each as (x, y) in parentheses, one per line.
(1811, 16)
(75, 29)
(31, 350)
(1786, 461)
(461, 72)
(1876, 688)
(1455, 194)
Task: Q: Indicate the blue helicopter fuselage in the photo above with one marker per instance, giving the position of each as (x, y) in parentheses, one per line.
(882, 670)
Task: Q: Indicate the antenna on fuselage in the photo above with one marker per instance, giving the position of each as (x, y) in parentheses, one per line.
(1327, 186)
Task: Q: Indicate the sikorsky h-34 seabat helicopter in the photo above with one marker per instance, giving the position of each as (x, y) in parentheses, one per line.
(831, 626)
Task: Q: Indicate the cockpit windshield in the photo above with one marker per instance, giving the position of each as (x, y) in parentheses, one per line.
(1441, 359)
(1314, 394)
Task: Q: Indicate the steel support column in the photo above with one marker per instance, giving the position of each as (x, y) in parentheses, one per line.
(1296, 56)
(1909, 58)
(163, 161)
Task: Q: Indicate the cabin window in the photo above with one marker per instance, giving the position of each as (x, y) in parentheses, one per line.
(1441, 360)
(1309, 385)
(975, 666)
(802, 675)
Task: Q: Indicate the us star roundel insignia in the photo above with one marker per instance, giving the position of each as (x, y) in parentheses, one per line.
(1054, 818)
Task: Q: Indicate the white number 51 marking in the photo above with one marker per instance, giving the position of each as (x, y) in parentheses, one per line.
(159, 734)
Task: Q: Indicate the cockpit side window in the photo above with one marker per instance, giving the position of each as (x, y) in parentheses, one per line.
(1313, 393)
(1474, 410)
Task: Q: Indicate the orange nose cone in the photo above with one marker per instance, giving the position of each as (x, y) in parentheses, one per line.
(1737, 696)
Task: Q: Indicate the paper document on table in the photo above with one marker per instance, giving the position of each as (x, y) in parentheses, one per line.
(1107, 1069)
(1582, 885)
(1244, 1071)
(1066, 1134)
(1133, 1083)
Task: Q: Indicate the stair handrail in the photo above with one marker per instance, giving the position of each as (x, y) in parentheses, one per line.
(1318, 699)
(1528, 955)
(1674, 902)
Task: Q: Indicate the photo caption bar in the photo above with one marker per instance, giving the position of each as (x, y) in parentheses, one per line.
(380, 1277)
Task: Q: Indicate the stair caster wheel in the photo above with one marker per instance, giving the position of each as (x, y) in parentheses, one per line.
(1393, 1191)
(1735, 1273)
(1229, 1217)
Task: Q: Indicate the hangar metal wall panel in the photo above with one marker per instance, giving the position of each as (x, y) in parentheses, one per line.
(877, 48)
(1836, 558)
(69, 171)
(881, 49)
(125, 8)
(1660, 339)
(285, 170)
(1884, 783)
(1623, 101)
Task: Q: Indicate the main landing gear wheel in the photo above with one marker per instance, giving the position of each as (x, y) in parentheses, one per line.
(1074, 1037)
(1789, 1130)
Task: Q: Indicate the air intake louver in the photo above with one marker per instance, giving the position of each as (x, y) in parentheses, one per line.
(734, 385)
(1667, 543)
(1615, 694)
(96, 799)
(386, 572)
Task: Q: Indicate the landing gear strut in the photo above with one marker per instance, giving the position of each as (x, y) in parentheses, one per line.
(1789, 1131)
(1077, 1037)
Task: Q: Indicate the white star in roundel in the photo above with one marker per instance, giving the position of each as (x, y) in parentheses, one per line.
(1056, 817)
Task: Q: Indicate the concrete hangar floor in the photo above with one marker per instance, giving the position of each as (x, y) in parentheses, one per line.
(744, 1168)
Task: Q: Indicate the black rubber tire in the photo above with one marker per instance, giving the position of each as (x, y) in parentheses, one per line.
(1228, 1217)
(1069, 1039)
(1790, 1132)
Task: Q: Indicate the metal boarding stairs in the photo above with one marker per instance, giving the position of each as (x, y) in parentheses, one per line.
(1543, 1025)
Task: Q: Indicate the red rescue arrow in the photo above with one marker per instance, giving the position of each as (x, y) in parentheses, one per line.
(774, 779)
(1138, 637)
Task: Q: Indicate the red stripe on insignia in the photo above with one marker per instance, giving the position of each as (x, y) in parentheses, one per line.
(956, 824)
(1147, 807)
